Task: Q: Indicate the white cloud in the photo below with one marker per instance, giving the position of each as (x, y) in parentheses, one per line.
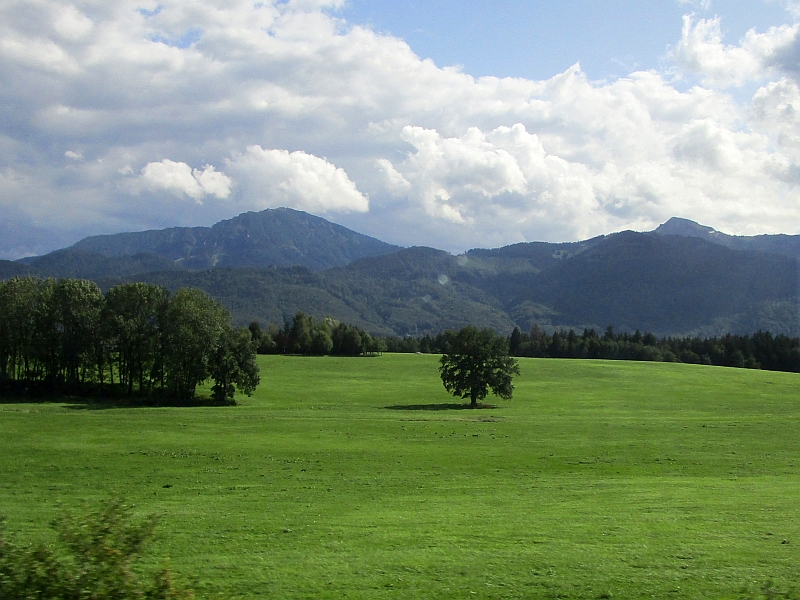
(776, 111)
(179, 178)
(272, 178)
(793, 7)
(416, 153)
(702, 50)
(71, 24)
(394, 182)
(697, 4)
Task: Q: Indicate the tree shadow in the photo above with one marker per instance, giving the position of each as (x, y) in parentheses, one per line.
(145, 402)
(440, 407)
(111, 401)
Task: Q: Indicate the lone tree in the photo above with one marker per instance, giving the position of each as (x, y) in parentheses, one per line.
(477, 360)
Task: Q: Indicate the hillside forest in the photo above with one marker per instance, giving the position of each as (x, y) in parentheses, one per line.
(681, 280)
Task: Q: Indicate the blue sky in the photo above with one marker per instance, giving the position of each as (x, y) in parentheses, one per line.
(536, 40)
(145, 114)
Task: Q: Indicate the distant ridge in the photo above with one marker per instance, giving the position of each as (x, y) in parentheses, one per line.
(279, 237)
(784, 245)
(10, 268)
(681, 279)
(665, 284)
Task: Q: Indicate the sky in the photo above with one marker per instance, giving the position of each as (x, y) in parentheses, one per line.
(447, 124)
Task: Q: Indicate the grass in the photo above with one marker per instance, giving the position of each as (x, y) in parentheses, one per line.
(361, 478)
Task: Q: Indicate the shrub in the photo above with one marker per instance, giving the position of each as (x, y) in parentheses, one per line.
(93, 560)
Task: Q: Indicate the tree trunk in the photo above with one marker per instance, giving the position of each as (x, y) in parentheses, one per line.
(474, 403)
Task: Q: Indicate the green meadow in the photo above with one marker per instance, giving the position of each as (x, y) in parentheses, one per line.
(362, 478)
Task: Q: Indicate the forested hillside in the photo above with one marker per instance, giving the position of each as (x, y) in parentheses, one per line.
(696, 282)
(665, 284)
(276, 237)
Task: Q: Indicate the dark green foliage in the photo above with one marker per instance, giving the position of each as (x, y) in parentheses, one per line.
(475, 362)
(347, 340)
(233, 365)
(75, 321)
(135, 315)
(761, 350)
(50, 331)
(321, 342)
(306, 335)
(66, 336)
(515, 341)
(195, 324)
(19, 308)
(94, 560)
(263, 340)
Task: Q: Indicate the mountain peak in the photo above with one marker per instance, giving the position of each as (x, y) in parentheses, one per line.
(280, 237)
(687, 228)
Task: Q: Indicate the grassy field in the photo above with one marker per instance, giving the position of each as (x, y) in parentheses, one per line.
(360, 478)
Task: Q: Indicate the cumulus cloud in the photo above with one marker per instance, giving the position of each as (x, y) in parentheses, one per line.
(793, 7)
(456, 178)
(96, 94)
(272, 178)
(703, 51)
(180, 179)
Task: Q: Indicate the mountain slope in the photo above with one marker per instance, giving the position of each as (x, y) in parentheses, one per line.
(663, 284)
(9, 269)
(678, 280)
(669, 285)
(274, 237)
(399, 294)
(785, 245)
(91, 265)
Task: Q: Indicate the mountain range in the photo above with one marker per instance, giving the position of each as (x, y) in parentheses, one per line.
(681, 279)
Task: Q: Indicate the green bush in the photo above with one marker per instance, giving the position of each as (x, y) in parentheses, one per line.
(94, 560)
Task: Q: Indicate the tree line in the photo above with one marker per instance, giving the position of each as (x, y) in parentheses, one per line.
(304, 334)
(761, 350)
(67, 336)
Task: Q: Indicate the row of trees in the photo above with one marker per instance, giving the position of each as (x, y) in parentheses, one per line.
(306, 335)
(760, 350)
(67, 336)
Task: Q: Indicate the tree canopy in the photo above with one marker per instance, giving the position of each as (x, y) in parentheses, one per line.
(66, 336)
(475, 362)
(306, 335)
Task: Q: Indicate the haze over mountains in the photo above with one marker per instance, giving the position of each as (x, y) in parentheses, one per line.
(681, 279)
